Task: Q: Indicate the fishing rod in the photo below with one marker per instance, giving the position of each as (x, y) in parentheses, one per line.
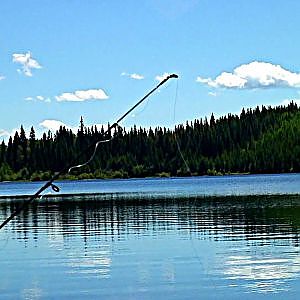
(49, 183)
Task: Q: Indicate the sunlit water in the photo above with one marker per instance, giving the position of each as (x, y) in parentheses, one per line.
(191, 186)
(184, 248)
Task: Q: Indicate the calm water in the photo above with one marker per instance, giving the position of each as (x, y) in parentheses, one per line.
(191, 186)
(183, 248)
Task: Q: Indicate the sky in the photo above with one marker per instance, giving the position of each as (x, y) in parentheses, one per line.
(63, 59)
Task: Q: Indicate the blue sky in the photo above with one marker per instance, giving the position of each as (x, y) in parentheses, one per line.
(60, 60)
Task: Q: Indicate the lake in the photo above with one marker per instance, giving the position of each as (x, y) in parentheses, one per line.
(181, 243)
(169, 187)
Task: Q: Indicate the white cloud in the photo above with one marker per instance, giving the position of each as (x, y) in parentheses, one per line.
(133, 75)
(136, 76)
(79, 96)
(27, 62)
(2, 77)
(6, 134)
(38, 98)
(3, 133)
(53, 125)
(162, 77)
(213, 94)
(41, 98)
(254, 75)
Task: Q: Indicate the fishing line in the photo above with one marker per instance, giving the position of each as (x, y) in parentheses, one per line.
(175, 134)
(148, 101)
(92, 156)
(104, 141)
(191, 239)
(49, 183)
(142, 109)
(5, 242)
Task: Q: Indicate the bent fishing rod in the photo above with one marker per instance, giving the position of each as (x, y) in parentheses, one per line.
(49, 183)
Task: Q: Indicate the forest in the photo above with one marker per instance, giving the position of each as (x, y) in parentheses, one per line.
(260, 140)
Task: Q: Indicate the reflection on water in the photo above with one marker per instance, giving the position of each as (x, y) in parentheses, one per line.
(183, 248)
(263, 275)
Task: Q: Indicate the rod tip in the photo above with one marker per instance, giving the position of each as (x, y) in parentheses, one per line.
(173, 76)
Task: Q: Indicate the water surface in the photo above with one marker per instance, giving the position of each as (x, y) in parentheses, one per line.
(173, 187)
(183, 246)
(224, 248)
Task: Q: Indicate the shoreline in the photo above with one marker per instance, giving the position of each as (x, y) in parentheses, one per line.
(150, 177)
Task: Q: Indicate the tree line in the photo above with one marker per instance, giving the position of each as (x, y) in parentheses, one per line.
(260, 140)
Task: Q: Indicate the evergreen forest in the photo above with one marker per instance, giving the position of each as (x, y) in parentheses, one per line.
(260, 140)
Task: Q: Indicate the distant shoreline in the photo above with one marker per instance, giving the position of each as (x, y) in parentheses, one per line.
(63, 178)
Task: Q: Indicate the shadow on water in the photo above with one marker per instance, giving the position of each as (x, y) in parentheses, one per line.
(247, 217)
(228, 245)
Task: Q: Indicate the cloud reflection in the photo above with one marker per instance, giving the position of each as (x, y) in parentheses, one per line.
(263, 275)
(96, 263)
